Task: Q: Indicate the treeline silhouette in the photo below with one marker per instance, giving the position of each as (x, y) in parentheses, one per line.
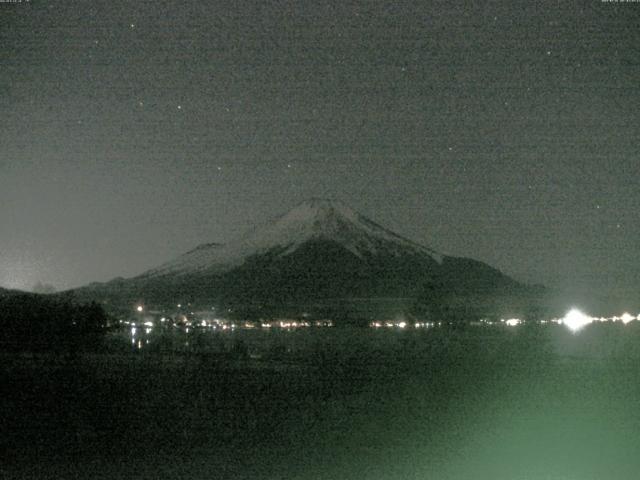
(42, 323)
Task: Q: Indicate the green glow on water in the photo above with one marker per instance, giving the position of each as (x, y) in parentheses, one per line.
(497, 404)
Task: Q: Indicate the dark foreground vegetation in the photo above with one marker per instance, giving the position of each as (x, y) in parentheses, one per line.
(333, 403)
(48, 323)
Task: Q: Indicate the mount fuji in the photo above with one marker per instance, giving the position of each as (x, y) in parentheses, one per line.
(319, 252)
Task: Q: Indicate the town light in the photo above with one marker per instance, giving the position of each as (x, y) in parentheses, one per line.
(575, 320)
(626, 318)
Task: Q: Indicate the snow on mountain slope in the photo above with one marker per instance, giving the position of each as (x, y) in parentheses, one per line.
(315, 219)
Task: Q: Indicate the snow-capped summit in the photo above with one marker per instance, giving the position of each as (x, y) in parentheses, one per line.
(312, 220)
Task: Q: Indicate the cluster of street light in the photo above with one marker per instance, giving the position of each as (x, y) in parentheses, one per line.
(402, 324)
(183, 322)
(574, 320)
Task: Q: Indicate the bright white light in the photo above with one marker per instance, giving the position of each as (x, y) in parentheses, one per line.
(575, 320)
(402, 324)
(139, 308)
(512, 322)
(148, 324)
(626, 318)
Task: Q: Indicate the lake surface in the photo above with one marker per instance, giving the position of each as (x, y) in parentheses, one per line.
(328, 403)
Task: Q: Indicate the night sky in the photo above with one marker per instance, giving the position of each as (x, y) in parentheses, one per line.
(508, 132)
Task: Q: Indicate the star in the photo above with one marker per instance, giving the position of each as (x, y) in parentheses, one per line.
(132, 25)
(179, 107)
